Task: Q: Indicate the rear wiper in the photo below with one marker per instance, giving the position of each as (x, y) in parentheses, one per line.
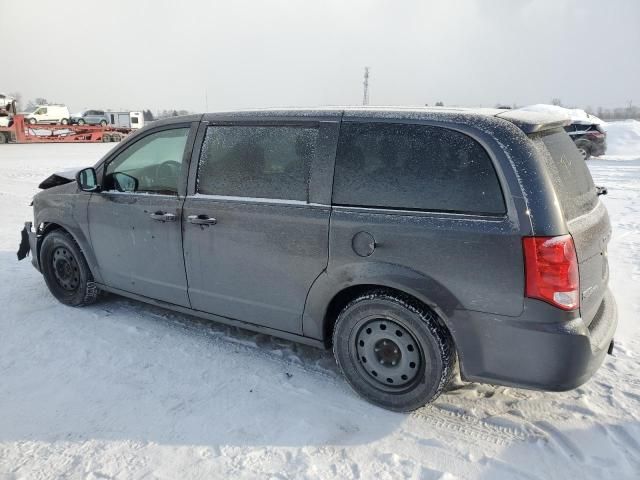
(601, 190)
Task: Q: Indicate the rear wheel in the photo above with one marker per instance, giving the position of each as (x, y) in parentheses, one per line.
(64, 121)
(65, 270)
(393, 351)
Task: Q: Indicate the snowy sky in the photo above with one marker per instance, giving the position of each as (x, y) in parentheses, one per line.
(173, 54)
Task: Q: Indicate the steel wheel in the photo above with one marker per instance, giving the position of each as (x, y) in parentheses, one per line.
(65, 269)
(387, 354)
(393, 350)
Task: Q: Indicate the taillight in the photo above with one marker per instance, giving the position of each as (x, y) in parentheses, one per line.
(551, 270)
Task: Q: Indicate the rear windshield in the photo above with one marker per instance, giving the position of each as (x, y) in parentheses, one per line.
(569, 173)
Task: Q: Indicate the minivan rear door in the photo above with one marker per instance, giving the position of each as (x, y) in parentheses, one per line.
(256, 220)
(586, 216)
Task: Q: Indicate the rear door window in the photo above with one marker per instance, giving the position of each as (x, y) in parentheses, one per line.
(414, 167)
(255, 161)
(569, 173)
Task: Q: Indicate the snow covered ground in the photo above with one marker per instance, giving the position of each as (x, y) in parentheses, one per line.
(125, 390)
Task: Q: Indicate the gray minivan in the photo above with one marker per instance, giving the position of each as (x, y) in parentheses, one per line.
(408, 240)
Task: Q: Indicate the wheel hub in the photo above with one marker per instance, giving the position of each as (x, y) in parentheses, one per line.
(65, 269)
(387, 353)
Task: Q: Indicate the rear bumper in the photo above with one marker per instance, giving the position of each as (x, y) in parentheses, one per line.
(523, 352)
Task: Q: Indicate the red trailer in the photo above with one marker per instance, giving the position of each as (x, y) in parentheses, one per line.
(21, 132)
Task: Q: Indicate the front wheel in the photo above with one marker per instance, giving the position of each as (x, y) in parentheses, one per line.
(65, 270)
(103, 123)
(81, 122)
(32, 121)
(393, 351)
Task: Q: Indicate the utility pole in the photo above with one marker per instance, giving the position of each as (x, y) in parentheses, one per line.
(365, 97)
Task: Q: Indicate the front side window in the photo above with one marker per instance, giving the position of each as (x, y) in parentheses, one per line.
(261, 162)
(414, 167)
(151, 165)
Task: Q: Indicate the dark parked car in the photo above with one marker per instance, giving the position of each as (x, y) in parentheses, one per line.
(590, 138)
(404, 239)
(90, 117)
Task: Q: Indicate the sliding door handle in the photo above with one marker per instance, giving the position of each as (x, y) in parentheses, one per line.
(201, 220)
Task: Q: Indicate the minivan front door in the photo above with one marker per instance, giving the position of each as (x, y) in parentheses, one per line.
(253, 241)
(135, 222)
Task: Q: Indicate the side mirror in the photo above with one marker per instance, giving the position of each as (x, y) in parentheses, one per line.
(87, 180)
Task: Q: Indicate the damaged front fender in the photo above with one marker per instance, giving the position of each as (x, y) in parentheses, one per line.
(59, 178)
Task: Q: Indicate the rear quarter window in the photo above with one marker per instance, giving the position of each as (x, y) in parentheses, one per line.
(569, 173)
(414, 167)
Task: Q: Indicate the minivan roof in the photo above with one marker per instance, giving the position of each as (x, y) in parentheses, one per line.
(528, 122)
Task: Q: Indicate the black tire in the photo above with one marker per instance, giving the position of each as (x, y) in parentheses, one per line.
(103, 123)
(64, 121)
(65, 270)
(32, 121)
(584, 147)
(81, 122)
(378, 325)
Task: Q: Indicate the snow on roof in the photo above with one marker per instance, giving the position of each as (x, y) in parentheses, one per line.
(576, 115)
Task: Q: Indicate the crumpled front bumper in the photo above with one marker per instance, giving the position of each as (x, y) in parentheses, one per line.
(31, 237)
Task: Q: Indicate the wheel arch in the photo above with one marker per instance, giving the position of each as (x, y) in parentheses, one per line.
(44, 228)
(331, 293)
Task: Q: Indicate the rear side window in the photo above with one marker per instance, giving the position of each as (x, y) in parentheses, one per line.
(414, 167)
(569, 173)
(261, 162)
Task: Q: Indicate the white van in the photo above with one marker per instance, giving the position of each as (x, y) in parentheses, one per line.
(48, 114)
(132, 120)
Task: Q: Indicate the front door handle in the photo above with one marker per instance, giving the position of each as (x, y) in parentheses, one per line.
(163, 217)
(201, 220)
